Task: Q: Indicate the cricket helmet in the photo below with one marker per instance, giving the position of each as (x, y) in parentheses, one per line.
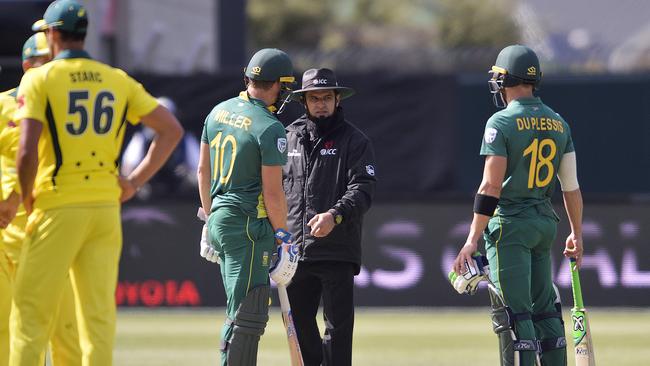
(66, 15)
(515, 64)
(36, 45)
(270, 64)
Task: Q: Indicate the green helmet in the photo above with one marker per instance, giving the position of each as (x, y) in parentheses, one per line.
(519, 64)
(270, 64)
(515, 65)
(36, 45)
(67, 15)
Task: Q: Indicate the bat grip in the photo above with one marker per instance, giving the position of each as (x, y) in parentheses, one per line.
(575, 284)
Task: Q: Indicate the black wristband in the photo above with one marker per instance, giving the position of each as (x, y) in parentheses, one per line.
(338, 218)
(485, 205)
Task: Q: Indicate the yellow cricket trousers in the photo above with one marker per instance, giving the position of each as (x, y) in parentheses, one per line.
(5, 306)
(84, 241)
(64, 341)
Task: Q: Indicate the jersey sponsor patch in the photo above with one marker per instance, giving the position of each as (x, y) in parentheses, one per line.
(282, 144)
(490, 134)
(370, 170)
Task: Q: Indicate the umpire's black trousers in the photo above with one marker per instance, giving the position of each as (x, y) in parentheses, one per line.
(334, 282)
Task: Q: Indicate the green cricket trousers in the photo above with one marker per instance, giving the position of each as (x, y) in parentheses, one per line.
(246, 245)
(519, 252)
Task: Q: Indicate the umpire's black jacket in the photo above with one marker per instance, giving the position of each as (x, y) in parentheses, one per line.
(333, 171)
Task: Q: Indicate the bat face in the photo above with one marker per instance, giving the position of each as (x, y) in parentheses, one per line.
(582, 338)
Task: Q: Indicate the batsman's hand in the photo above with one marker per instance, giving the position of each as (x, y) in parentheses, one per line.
(464, 256)
(207, 250)
(574, 248)
(321, 224)
(474, 271)
(286, 259)
(210, 253)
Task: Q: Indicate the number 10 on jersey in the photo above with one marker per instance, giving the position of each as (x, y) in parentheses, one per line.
(219, 153)
(539, 160)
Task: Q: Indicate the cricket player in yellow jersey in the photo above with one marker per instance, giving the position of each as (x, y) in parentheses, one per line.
(72, 114)
(7, 211)
(65, 349)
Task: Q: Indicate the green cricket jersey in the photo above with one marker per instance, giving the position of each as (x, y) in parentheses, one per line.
(243, 135)
(533, 138)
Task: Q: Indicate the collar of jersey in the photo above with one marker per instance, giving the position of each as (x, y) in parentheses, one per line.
(72, 54)
(244, 95)
(530, 100)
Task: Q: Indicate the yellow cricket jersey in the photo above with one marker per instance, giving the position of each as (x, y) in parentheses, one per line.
(83, 105)
(9, 139)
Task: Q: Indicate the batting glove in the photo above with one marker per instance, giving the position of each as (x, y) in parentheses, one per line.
(286, 259)
(207, 250)
(474, 274)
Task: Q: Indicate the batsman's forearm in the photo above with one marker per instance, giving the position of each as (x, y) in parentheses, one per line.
(479, 223)
(159, 151)
(276, 209)
(573, 206)
(204, 189)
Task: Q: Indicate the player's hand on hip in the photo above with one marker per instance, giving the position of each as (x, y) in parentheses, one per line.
(574, 248)
(464, 256)
(128, 189)
(321, 224)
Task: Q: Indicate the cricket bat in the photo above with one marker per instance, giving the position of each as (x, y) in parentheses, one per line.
(292, 337)
(584, 348)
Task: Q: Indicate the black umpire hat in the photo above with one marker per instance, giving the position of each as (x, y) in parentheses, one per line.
(321, 79)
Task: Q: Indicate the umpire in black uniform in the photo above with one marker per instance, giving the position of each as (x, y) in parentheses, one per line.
(329, 181)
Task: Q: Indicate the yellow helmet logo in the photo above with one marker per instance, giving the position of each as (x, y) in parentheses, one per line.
(532, 71)
(256, 70)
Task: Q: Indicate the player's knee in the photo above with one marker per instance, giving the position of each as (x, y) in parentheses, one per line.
(513, 349)
(248, 326)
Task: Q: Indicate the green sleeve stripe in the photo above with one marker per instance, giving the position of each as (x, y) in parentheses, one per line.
(55, 141)
(120, 135)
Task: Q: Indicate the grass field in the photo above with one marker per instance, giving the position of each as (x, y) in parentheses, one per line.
(382, 337)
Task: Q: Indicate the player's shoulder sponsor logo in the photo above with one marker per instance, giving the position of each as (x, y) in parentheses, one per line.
(490, 135)
(282, 144)
(370, 169)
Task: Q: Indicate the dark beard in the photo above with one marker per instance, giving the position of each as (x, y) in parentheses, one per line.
(326, 124)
